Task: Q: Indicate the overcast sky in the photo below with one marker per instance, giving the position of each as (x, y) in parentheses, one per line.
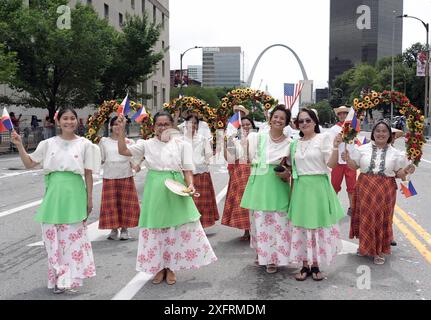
(253, 25)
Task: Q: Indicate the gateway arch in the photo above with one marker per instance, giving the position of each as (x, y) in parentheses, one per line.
(304, 73)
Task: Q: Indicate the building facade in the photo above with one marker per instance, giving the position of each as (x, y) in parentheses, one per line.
(361, 32)
(221, 67)
(195, 72)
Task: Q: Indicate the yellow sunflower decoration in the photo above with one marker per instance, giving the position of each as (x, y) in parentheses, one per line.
(415, 138)
(103, 114)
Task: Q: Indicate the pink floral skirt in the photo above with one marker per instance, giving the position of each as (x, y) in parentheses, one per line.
(270, 237)
(70, 256)
(176, 248)
(314, 245)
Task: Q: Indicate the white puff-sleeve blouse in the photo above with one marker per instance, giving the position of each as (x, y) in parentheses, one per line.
(57, 154)
(312, 156)
(374, 160)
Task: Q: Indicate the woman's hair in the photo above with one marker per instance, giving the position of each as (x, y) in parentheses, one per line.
(282, 108)
(192, 116)
(111, 122)
(312, 115)
(163, 114)
(251, 121)
(64, 110)
(387, 126)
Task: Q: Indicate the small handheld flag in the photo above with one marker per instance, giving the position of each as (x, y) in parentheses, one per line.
(234, 124)
(353, 120)
(124, 106)
(6, 121)
(140, 115)
(408, 189)
(56, 116)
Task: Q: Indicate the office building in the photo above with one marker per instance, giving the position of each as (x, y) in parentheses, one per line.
(221, 67)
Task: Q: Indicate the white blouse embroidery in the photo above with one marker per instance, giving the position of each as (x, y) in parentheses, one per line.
(312, 156)
(389, 165)
(175, 155)
(275, 151)
(57, 154)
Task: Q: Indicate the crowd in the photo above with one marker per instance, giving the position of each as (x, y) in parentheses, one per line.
(282, 193)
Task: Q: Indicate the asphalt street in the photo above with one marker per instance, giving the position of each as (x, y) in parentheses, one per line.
(23, 262)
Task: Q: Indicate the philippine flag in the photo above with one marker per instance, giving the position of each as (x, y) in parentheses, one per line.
(124, 106)
(6, 122)
(233, 125)
(353, 120)
(408, 190)
(141, 115)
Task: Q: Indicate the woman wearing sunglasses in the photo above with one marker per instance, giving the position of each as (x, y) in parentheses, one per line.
(314, 210)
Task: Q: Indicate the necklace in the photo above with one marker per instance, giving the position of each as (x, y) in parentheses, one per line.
(276, 139)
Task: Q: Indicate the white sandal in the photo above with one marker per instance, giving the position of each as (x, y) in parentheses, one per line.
(379, 260)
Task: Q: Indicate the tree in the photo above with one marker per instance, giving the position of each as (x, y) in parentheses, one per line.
(325, 112)
(57, 67)
(212, 96)
(133, 59)
(8, 64)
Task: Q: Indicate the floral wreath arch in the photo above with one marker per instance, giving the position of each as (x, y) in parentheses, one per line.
(415, 138)
(207, 113)
(239, 96)
(104, 112)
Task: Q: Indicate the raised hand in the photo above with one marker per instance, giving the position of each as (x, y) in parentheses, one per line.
(121, 121)
(338, 140)
(16, 138)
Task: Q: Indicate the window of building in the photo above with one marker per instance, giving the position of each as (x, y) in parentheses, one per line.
(143, 6)
(120, 19)
(163, 68)
(154, 14)
(155, 97)
(163, 44)
(132, 3)
(163, 20)
(106, 11)
(163, 96)
(89, 2)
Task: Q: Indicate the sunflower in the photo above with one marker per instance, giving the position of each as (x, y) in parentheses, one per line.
(220, 124)
(367, 98)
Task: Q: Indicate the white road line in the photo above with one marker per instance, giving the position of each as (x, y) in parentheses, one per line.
(427, 161)
(31, 204)
(348, 247)
(141, 278)
(14, 174)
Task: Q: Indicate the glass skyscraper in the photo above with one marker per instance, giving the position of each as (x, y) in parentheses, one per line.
(361, 32)
(221, 67)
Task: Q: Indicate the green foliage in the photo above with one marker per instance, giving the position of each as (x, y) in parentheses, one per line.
(8, 65)
(210, 95)
(325, 112)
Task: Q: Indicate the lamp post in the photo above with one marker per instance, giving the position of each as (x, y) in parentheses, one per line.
(427, 67)
(393, 62)
(181, 67)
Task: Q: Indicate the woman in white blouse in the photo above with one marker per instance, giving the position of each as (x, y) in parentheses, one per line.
(314, 210)
(202, 153)
(120, 204)
(67, 201)
(171, 237)
(375, 193)
(267, 192)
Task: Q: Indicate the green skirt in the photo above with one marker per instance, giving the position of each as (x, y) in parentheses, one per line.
(314, 203)
(65, 200)
(266, 192)
(162, 208)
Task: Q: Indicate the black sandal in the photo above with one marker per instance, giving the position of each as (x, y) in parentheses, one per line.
(304, 270)
(314, 272)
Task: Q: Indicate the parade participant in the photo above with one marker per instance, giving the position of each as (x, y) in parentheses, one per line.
(203, 128)
(171, 236)
(265, 127)
(375, 194)
(67, 202)
(239, 172)
(120, 205)
(202, 153)
(267, 191)
(314, 210)
(342, 170)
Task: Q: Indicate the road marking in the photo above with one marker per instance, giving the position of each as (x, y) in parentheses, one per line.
(413, 240)
(426, 160)
(348, 247)
(14, 174)
(31, 204)
(93, 232)
(413, 224)
(10, 159)
(141, 278)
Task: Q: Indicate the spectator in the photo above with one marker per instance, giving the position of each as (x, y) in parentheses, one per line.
(48, 128)
(81, 128)
(34, 122)
(15, 121)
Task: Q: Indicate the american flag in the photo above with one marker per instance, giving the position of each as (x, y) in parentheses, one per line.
(291, 94)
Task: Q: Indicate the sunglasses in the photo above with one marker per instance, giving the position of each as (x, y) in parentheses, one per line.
(308, 121)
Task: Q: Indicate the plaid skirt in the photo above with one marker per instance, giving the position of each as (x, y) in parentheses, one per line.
(120, 204)
(372, 213)
(233, 215)
(206, 203)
